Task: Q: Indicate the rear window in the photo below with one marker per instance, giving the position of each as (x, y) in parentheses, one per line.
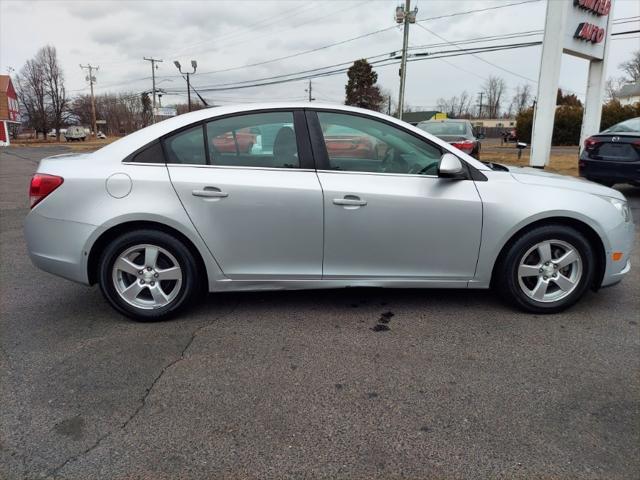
(445, 128)
(632, 125)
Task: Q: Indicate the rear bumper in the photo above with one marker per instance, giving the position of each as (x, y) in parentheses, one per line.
(617, 172)
(57, 246)
(620, 240)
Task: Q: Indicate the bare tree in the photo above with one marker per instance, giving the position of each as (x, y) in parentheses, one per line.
(494, 90)
(54, 87)
(464, 105)
(632, 68)
(123, 113)
(612, 87)
(81, 109)
(147, 112)
(456, 107)
(521, 99)
(32, 93)
(388, 105)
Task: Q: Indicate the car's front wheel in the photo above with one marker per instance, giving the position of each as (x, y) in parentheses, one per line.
(547, 269)
(148, 275)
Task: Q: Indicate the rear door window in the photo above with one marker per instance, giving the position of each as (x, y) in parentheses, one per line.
(266, 140)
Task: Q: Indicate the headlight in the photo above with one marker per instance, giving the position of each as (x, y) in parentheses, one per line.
(621, 206)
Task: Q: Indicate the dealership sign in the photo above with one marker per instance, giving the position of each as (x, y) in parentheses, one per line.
(579, 28)
(165, 112)
(586, 27)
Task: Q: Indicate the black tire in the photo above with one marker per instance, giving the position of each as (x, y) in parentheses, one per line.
(606, 183)
(188, 289)
(506, 271)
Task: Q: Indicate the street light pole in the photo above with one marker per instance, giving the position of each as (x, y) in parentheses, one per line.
(194, 65)
(188, 94)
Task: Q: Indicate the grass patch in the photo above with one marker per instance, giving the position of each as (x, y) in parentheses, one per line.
(564, 162)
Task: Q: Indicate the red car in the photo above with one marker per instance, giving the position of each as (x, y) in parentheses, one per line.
(458, 133)
(344, 142)
(242, 143)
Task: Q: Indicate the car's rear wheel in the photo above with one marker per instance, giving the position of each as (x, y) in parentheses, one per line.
(148, 275)
(547, 269)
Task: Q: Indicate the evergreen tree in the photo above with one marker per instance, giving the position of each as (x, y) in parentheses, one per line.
(361, 90)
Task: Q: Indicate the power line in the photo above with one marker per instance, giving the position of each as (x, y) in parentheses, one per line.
(358, 37)
(295, 26)
(628, 32)
(478, 10)
(92, 79)
(477, 57)
(626, 38)
(153, 80)
(297, 54)
(490, 38)
(381, 63)
(249, 28)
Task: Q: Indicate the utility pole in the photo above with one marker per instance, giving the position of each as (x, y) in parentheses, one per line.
(310, 89)
(92, 79)
(480, 106)
(194, 65)
(153, 80)
(404, 16)
(389, 105)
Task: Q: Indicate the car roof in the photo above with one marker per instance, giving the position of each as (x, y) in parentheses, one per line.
(138, 139)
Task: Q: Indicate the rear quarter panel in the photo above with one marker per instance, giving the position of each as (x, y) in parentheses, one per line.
(84, 198)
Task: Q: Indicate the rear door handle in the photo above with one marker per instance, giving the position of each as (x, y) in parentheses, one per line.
(210, 192)
(350, 201)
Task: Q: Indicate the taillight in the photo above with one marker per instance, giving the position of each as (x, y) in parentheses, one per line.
(465, 146)
(42, 185)
(590, 143)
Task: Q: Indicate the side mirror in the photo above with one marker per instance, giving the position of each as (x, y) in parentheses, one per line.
(451, 167)
(480, 136)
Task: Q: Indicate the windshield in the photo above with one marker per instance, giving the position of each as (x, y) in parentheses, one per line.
(444, 128)
(632, 125)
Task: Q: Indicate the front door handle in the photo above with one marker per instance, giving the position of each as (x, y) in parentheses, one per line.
(210, 192)
(350, 201)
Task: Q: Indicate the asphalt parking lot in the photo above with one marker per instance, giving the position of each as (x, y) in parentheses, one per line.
(301, 385)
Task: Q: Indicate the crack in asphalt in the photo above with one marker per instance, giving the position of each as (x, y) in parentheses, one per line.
(143, 400)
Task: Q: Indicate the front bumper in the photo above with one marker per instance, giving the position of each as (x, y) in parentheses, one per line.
(620, 239)
(57, 246)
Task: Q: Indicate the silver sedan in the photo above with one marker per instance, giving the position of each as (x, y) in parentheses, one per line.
(297, 196)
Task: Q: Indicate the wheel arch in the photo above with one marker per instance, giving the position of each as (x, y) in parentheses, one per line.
(114, 231)
(587, 230)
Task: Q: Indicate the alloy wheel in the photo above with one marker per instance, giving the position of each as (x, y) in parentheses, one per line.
(550, 271)
(147, 276)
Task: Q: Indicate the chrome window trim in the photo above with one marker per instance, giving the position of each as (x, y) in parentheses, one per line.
(413, 175)
(279, 169)
(140, 164)
(240, 167)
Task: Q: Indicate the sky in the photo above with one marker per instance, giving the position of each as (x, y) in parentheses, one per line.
(226, 37)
